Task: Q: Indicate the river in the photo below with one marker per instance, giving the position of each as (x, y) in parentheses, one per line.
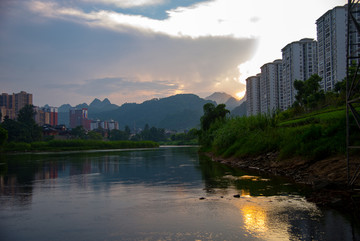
(169, 193)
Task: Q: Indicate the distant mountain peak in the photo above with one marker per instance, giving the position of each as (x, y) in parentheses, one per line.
(224, 98)
(96, 101)
(219, 97)
(106, 101)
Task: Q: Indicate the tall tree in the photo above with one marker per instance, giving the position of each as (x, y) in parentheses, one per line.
(211, 114)
(26, 118)
(308, 92)
(26, 115)
(3, 135)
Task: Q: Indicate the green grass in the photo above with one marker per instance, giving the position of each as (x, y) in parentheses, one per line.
(75, 145)
(314, 136)
(315, 117)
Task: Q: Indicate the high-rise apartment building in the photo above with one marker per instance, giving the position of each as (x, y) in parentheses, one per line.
(270, 80)
(22, 99)
(79, 117)
(10, 105)
(331, 37)
(253, 104)
(299, 63)
(46, 116)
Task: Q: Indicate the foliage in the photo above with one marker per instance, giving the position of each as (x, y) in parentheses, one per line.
(118, 135)
(3, 135)
(246, 135)
(308, 92)
(211, 114)
(153, 134)
(94, 135)
(74, 145)
(314, 136)
(185, 138)
(24, 129)
(211, 120)
(78, 132)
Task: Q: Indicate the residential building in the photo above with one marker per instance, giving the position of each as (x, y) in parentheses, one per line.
(331, 37)
(270, 80)
(113, 125)
(22, 99)
(106, 125)
(46, 116)
(253, 104)
(79, 117)
(299, 61)
(10, 105)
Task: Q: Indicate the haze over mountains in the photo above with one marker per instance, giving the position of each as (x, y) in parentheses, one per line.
(178, 112)
(224, 98)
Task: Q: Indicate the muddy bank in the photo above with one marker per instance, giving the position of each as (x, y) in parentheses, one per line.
(328, 177)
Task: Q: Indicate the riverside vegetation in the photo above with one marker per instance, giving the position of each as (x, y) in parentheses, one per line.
(24, 134)
(313, 129)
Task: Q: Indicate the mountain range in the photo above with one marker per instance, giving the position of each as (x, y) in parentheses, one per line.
(224, 98)
(177, 112)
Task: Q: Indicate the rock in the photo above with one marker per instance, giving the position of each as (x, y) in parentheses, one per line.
(320, 184)
(337, 202)
(202, 198)
(237, 196)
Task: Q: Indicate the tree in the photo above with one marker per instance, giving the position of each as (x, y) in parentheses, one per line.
(211, 114)
(127, 130)
(26, 115)
(3, 136)
(16, 131)
(26, 118)
(25, 128)
(308, 92)
(93, 135)
(78, 132)
(118, 135)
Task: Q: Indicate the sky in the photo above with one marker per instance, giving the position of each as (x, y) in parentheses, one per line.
(72, 51)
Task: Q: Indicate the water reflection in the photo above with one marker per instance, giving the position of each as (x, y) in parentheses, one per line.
(118, 195)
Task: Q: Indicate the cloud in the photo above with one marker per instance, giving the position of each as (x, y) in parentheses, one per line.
(203, 63)
(192, 64)
(127, 3)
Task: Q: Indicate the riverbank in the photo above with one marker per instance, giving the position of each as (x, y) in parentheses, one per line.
(74, 145)
(327, 177)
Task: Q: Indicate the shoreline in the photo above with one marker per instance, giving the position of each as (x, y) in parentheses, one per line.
(327, 178)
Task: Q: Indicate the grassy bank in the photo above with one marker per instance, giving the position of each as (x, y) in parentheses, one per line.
(313, 136)
(75, 145)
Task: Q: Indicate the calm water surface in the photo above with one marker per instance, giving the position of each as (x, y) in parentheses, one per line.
(159, 194)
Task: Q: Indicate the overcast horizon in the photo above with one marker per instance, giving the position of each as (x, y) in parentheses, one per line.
(71, 52)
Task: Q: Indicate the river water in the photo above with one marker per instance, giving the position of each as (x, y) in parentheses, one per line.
(168, 193)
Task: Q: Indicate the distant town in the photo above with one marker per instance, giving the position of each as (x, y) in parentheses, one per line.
(47, 116)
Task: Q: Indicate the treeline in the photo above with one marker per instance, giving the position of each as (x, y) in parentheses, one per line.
(23, 134)
(23, 129)
(313, 128)
(76, 145)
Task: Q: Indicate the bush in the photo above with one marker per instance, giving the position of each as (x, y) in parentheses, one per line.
(314, 137)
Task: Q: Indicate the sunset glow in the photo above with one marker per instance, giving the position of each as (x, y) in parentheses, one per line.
(240, 95)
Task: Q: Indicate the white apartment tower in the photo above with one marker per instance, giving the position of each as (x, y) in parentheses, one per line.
(299, 63)
(331, 37)
(253, 95)
(270, 83)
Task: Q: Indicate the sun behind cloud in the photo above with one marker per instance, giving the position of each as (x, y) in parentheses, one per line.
(239, 95)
